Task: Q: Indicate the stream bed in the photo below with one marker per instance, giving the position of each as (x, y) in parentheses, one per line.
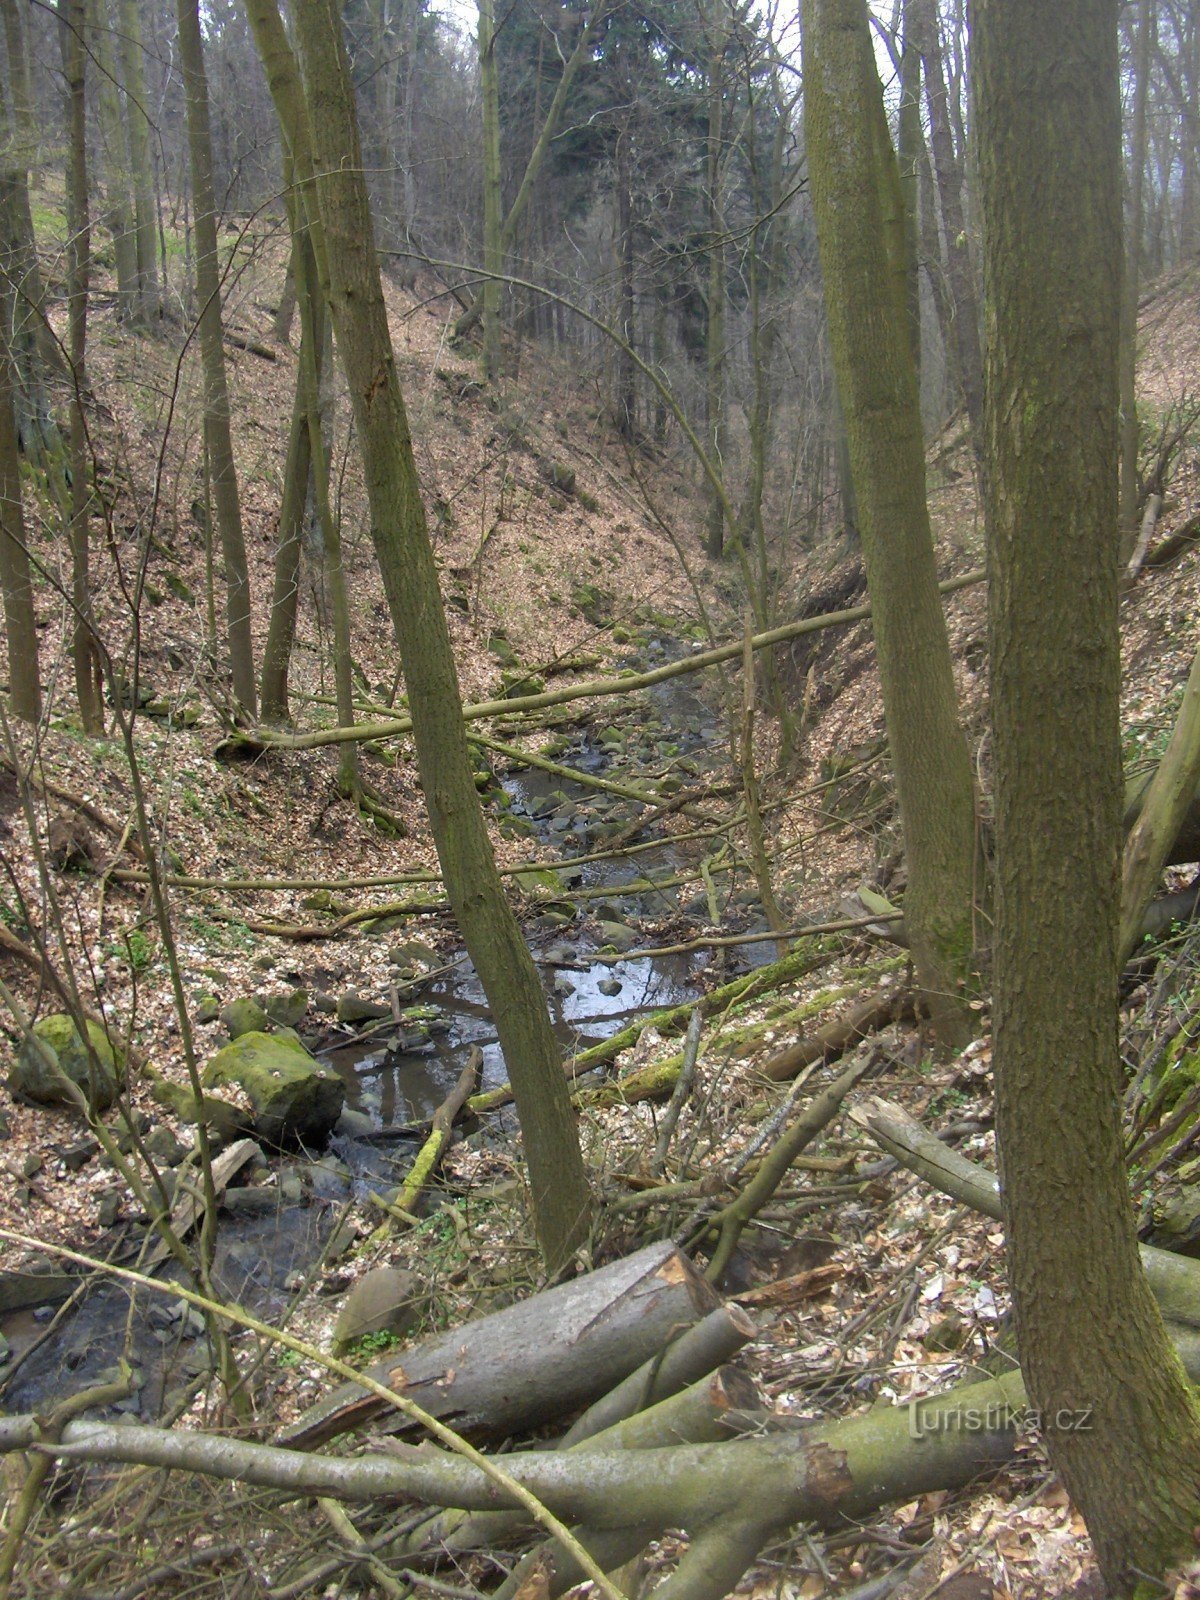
(270, 1238)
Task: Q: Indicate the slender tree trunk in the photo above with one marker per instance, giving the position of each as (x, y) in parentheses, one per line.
(714, 352)
(281, 630)
(85, 655)
(559, 1189)
(948, 171)
(138, 125)
(1135, 219)
(493, 256)
(1117, 1416)
(549, 128)
(16, 579)
(845, 131)
(625, 399)
(121, 214)
(226, 502)
(909, 140)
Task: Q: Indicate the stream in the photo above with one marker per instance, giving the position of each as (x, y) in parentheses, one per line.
(269, 1238)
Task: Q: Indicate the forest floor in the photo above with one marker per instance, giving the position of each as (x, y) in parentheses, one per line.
(866, 1292)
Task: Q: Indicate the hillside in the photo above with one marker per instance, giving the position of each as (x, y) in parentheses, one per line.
(554, 565)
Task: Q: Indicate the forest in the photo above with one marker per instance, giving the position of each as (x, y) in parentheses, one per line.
(600, 799)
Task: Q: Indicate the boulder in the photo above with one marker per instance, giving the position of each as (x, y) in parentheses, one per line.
(243, 1016)
(100, 1073)
(287, 1009)
(293, 1097)
(385, 1301)
(618, 935)
(228, 1122)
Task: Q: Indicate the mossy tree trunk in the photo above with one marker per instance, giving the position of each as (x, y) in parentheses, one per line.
(560, 1195)
(16, 580)
(850, 160)
(1118, 1418)
(217, 434)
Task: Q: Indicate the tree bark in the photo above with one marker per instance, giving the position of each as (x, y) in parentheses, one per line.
(947, 168)
(138, 124)
(1089, 1331)
(559, 1189)
(1132, 239)
(533, 1362)
(217, 434)
(84, 652)
(848, 151)
(493, 255)
(16, 579)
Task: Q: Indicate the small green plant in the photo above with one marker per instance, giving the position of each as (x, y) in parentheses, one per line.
(138, 950)
(374, 1344)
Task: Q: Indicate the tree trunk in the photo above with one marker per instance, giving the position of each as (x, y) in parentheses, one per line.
(560, 1196)
(493, 256)
(217, 435)
(16, 581)
(714, 344)
(138, 123)
(909, 141)
(84, 652)
(845, 132)
(1091, 1337)
(947, 168)
(121, 215)
(1129, 433)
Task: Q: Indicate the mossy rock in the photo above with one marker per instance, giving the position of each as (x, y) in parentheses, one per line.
(243, 1016)
(100, 1073)
(515, 683)
(228, 1122)
(288, 1008)
(294, 1098)
(593, 603)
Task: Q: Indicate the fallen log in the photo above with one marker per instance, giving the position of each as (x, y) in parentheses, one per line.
(699, 1414)
(837, 1037)
(731, 1497)
(532, 1362)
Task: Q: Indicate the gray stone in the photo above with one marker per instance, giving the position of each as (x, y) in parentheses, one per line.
(164, 1149)
(563, 984)
(352, 1007)
(109, 1209)
(74, 1156)
(292, 1095)
(326, 1004)
(243, 1016)
(208, 1009)
(618, 935)
(610, 986)
(354, 1124)
(385, 1301)
(291, 1188)
(99, 1073)
(247, 1201)
(287, 1009)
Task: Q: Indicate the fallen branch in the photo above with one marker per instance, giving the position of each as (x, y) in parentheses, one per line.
(1174, 1280)
(240, 744)
(431, 1152)
(797, 964)
(837, 1037)
(730, 1221)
